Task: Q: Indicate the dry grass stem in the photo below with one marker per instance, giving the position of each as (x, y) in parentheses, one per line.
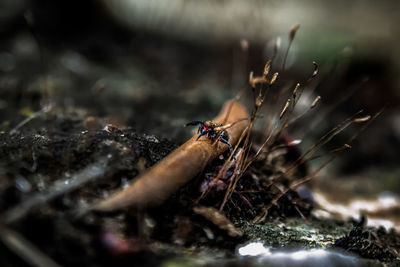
(316, 69)
(261, 218)
(315, 102)
(267, 67)
(274, 78)
(285, 108)
(292, 34)
(296, 88)
(323, 140)
(293, 31)
(362, 119)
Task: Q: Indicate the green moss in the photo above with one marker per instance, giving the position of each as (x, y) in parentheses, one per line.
(296, 232)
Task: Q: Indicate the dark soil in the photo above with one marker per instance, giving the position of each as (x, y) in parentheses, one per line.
(370, 243)
(56, 150)
(113, 116)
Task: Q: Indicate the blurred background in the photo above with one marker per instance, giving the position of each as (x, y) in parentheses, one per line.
(154, 65)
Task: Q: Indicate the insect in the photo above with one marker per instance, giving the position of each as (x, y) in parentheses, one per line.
(210, 130)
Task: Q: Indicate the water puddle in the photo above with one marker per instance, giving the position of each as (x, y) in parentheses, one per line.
(256, 254)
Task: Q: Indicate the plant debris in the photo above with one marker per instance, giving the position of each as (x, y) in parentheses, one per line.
(161, 181)
(78, 188)
(218, 219)
(371, 243)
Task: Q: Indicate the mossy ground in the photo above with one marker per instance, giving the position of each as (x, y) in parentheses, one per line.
(55, 147)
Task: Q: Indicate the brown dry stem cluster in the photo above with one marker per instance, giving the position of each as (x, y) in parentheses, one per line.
(243, 158)
(164, 179)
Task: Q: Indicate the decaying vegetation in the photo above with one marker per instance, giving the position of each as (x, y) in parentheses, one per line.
(167, 197)
(179, 167)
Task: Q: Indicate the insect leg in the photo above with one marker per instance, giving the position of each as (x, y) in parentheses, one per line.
(204, 133)
(194, 123)
(224, 140)
(212, 135)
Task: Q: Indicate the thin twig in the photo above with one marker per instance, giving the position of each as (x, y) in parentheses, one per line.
(292, 34)
(45, 109)
(321, 142)
(89, 173)
(261, 218)
(25, 249)
(336, 152)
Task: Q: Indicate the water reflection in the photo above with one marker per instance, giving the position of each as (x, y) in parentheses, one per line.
(254, 249)
(263, 256)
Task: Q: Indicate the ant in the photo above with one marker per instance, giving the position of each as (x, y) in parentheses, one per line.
(210, 129)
